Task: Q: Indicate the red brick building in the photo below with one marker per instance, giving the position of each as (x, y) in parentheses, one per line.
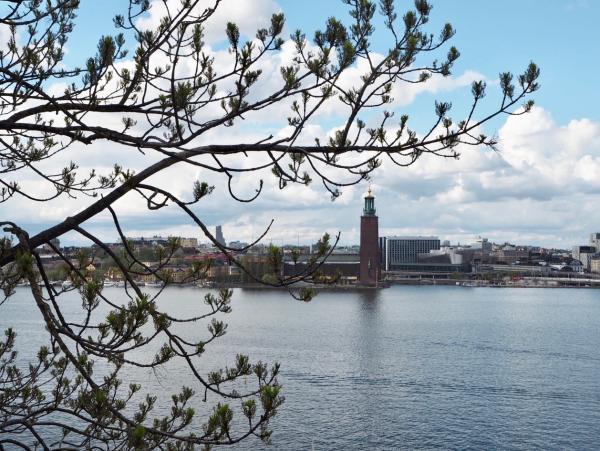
(370, 270)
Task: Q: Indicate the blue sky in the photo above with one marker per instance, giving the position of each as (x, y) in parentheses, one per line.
(542, 188)
(561, 36)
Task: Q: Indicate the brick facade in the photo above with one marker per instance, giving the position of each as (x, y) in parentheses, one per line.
(370, 270)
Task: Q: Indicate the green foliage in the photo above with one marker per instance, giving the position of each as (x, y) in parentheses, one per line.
(136, 437)
(166, 100)
(275, 258)
(202, 189)
(306, 294)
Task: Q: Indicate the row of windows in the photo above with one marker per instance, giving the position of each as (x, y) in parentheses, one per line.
(405, 251)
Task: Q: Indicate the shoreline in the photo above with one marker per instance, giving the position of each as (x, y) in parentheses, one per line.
(480, 284)
(463, 283)
(427, 283)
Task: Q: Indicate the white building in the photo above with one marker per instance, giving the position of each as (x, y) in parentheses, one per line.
(402, 250)
(584, 254)
(595, 240)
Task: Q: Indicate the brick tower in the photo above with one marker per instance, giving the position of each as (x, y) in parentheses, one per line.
(370, 270)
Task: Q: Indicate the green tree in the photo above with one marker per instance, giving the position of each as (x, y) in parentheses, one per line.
(158, 90)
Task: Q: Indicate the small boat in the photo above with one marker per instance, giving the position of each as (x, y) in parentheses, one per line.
(66, 285)
(203, 284)
(470, 284)
(154, 284)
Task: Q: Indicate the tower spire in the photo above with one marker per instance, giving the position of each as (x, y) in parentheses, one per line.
(370, 270)
(369, 209)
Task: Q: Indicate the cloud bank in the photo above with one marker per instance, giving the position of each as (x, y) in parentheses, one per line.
(541, 187)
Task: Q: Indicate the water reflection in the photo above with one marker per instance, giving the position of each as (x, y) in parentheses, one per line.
(371, 360)
(368, 298)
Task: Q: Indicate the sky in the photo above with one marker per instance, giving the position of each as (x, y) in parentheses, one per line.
(541, 188)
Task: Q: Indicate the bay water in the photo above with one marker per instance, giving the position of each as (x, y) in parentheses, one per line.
(407, 367)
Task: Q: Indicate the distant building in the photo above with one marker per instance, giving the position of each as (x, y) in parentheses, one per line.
(447, 260)
(189, 242)
(157, 240)
(344, 266)
(595, 241)
(575, 266)
(510, 255)
(148, 241)
(55, 242)
(370, 269)
(219, 236)
(483, 245)
(595, 265)
(401, 251)
(238, 244)
(523, 270)
(584, 254)
(46, 251)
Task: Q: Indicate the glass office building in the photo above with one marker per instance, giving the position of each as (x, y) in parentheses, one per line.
(398, 251)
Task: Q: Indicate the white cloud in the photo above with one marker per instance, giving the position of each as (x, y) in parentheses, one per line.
(248, 15)
(542, 187)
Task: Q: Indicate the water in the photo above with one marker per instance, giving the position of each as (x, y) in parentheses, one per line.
(408, 367)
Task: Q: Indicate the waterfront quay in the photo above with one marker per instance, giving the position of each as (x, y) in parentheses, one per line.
(493, 279)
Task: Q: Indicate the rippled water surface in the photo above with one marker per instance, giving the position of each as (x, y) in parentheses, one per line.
(408, 367)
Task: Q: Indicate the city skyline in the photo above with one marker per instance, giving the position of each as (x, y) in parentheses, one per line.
(305, 242)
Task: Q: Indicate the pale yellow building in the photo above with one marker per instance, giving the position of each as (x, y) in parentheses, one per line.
(188, 242)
